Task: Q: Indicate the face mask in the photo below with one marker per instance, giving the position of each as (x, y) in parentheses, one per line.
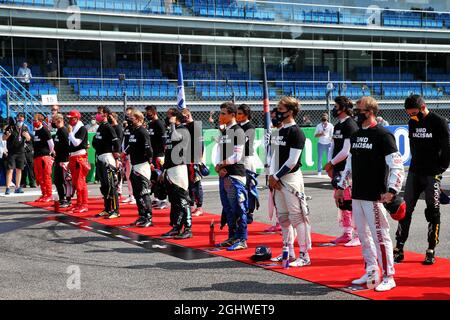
(93, 122)
(19, 123)
(360, 118)
(99, 118)
(149, 117)
(73, 122)
(275, 122)
(224, 119)
(36, 123)
(240, 118)
(335, 113)
(54, 125)
(167, 121)
(417, 117)
(280, 116)
(110, 120)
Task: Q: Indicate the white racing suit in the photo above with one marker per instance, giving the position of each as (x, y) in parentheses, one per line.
(371, 220)
(291, 207)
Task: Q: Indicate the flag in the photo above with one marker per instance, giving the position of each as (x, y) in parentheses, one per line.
(267, 120)
(181, 100)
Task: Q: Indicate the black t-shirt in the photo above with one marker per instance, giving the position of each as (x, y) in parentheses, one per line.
(249, 130)
(40, 142)
(126, 137)
(369, 147)
(16, 141)
(119, 133)
(196, 145)
(429, 144)
(105, 139)
(81, 134)
(157, 132)
(229, 139)
(341, 132)
(61, 140)
(176, 151)
(139, 146)
(284, 140)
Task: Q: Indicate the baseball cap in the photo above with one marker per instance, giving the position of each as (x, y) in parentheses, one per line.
(262, 253)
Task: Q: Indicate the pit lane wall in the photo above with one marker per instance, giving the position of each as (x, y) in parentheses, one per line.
(309, 154)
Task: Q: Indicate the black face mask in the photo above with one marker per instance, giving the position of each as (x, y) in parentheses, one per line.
(417, 117)
(110, 120)
(53, 125)
(335, 113)
(280, 116)
(360, 118)
(167, 121)
(149, 117)
(275, 122)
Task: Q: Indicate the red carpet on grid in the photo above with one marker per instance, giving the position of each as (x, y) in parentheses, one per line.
(333, 267)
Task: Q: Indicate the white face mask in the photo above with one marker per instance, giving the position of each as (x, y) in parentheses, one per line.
(93, 122)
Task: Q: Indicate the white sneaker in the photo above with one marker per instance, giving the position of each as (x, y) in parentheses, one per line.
(353, 243)
(319, 174)
(373, 278)
(302, 261)
(132, 201)
(362, 280)
(387, 284)
(280, 258)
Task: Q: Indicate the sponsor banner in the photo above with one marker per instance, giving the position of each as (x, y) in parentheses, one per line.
(309, 154)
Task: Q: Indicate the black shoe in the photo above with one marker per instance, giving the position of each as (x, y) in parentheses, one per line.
(398, 255)
(429, 257)
(187, 233)
(64, 204)
(143, 222)
(226, 243)
(104, 213)
(170, 234)
(24, 186)
(32, 186)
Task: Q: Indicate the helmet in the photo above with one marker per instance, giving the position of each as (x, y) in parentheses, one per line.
(396, 208)
(74, 114)
(262, 253)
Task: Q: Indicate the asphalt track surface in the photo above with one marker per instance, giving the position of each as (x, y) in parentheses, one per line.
(38, 256)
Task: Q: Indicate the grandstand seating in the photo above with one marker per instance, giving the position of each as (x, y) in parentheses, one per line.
(231, 9)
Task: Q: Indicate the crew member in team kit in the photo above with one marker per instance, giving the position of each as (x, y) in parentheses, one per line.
(78, 159)
(140, 151)
(106, 145)
(430, 157)
(157, 130)
(125, 157)
(243, 118)
(343, 130)
(175, 176)
(113, 120)
(232, 178)
(62, 176)
(286, 181)
(196, 157)
(43, 146)
(373, 157)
